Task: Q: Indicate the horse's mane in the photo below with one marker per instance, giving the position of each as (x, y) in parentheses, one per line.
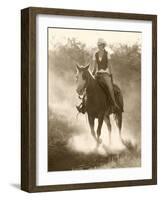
(91, 81)
(89, 74)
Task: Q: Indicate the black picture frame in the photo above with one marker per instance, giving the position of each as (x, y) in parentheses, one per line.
(28, 98)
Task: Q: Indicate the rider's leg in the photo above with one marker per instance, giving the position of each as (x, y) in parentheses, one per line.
(107, 80)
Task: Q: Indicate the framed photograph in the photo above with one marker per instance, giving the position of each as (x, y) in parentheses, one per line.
(88, 99)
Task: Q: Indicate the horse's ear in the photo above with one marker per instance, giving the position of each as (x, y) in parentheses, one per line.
(77, 66)
(87, 66)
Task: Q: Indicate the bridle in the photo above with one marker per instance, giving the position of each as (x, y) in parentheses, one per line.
(85, 85)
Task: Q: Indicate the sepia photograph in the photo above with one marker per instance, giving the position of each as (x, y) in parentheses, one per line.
(89, 99)
(94, 99)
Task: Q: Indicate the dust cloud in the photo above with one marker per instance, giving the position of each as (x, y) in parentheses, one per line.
(68, 132)
(63, 100)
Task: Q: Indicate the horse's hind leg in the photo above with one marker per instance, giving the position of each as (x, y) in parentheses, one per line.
(118, 119)
(108, 123)
(91, 124)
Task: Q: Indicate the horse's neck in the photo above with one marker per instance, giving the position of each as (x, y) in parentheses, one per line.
(91, 84)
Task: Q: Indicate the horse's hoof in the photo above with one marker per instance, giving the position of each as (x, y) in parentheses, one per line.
(99, 141)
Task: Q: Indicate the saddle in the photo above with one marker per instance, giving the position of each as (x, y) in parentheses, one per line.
(117, 93)
(118, 97)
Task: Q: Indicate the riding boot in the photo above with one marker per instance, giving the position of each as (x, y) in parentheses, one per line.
(82, 107)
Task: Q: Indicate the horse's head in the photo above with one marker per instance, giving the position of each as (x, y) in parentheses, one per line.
(81, 79)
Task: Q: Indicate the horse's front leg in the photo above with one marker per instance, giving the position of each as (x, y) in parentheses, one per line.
(100, 122)
(91, 124)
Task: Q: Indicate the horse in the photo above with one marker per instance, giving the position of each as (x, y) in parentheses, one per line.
(98, 103)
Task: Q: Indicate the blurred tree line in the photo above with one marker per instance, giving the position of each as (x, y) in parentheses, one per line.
(64, 58)
(125, 60)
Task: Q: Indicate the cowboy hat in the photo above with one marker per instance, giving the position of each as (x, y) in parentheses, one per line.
(101, 41)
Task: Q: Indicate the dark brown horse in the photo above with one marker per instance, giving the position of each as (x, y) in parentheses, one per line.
(98, 104)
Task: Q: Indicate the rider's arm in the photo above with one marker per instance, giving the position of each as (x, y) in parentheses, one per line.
(110, 67)
(94, 65)
(109, 64)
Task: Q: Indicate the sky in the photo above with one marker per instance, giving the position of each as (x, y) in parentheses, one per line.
(90, 37)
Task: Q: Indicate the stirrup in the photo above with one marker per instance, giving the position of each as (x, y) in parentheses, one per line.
(81, 109)
(116, 108)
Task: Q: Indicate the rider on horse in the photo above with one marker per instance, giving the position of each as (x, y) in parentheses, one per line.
(102, 72)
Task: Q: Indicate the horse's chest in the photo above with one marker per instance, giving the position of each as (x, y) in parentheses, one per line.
(96, 103)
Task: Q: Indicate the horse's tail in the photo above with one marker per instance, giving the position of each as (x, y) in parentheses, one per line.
(119, 97)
